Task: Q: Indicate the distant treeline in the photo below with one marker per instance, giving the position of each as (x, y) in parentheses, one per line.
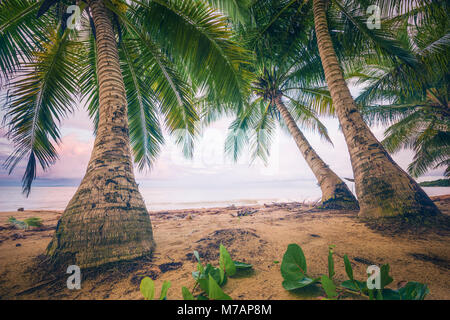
(436, 183)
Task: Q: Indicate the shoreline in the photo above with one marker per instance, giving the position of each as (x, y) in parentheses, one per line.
(41, 201)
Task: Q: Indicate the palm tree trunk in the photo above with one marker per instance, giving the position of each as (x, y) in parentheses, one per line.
(106, 220)
(382, 187)
(335, 193)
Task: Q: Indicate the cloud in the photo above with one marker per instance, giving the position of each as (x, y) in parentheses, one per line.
(209, 166)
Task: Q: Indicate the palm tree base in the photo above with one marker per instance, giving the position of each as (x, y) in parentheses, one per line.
(106, 221)
(401, 197)
(341, 198)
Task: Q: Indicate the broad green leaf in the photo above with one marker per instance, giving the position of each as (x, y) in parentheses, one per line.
(187, 295)
(297, 284)
(385, 277)
(225, 261)
(147, 288)
(379, 295)
(202, 277)
(293, 266)
(329, 287)
(219, 276)
(222, 275)
(413, 291)
(348, 267)
(215, 292)
(354, 285)
(165, 287)
(389, 294)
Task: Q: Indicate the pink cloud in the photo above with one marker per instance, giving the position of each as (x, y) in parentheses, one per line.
(74, 155)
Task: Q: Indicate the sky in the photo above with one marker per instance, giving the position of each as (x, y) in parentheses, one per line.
(209, 166)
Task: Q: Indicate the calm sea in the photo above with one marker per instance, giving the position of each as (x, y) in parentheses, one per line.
(173, 197)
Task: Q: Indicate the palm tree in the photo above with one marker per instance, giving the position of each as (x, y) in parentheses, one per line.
(382, 187)
(341, 35)
(133, 63)
(287, 89)
(416, 105)
(278, 95)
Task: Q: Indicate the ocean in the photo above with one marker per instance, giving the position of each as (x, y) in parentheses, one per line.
(167, 197)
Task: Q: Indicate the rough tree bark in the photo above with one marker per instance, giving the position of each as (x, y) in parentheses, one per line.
(106, 220)
(382, 187)
(335, 193)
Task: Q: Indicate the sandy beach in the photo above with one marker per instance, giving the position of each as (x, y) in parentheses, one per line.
(260, 237)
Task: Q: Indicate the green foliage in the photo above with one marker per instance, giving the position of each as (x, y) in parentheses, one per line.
(226, 264)
(147, 288)
(331, 271)
(187, 295)
(214, 291)
(413, 105)
(242, 266)
(293, 270)
(329, 287)
(209, 278)
(27, 223)
(33, 222)
(167, 51)
(17, 223)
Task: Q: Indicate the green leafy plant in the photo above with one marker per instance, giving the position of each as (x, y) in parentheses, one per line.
(27, 223)
(294, 272)
(210, 279)
(147, 288)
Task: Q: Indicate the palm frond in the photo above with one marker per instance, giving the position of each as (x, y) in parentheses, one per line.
(21, 34)
(145, 133)
(40, 96)
(169, 86)
(201, 36)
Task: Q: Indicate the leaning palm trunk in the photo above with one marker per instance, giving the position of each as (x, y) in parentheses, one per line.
(382, 187)
(106, 220)
(335, 193)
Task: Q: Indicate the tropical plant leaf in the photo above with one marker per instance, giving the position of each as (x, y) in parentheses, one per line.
(147, 288)
(39, 98)
(225, 262)
(293, 266)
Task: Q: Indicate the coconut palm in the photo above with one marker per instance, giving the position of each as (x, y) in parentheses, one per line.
(287, 88)
(415, 105)
(133, 63)
(382, 187)
(279, 97)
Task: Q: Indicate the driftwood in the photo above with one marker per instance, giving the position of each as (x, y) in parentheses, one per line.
(246, 212)
(37, 286)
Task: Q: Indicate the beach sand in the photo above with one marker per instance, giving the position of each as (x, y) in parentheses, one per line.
(260, 238)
